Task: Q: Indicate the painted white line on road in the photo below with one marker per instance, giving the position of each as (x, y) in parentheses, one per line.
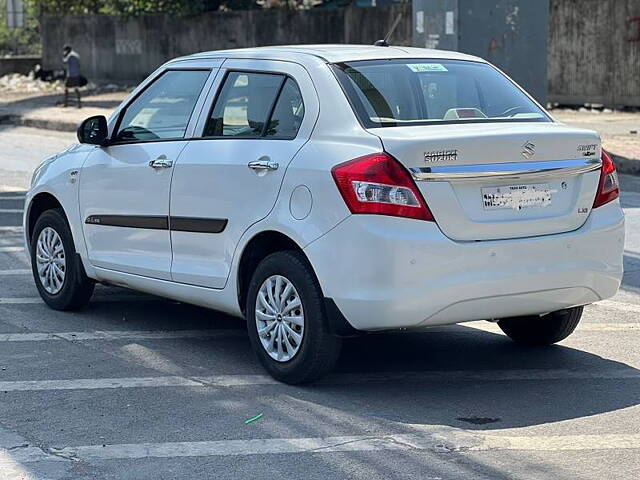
(15, 450)
(11, 229)
(439, 440)
(11, 461)
(11, 249)
(17, 271)
(609, 327)
(97, 383)
(11, 210)
(112, 298)
(610, 304)
(120, 335)
(112, 335)
(481, 375)
(12, 197)
(339, 379)
(582, 327)
(20, 300)
(625, 307)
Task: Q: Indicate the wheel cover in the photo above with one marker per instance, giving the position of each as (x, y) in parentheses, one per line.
(50, 260)
(279, 318)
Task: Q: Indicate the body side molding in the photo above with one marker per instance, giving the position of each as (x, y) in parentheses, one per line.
(159, 222)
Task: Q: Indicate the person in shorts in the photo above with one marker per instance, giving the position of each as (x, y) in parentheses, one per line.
(73, 80)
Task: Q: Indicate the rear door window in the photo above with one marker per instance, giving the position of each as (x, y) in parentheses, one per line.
(288, 113)
(244, 105)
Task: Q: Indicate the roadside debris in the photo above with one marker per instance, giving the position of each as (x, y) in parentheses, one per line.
(253, 419)
(18, 83)
(15, 82)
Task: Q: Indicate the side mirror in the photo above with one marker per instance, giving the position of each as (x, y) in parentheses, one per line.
(94, 130)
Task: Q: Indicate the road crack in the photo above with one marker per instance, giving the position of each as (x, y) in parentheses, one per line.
(11, 449)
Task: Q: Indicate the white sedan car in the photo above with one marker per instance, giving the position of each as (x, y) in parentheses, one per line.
(323, 191)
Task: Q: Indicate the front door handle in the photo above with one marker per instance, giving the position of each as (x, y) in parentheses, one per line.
(263, 165)
(161, 162)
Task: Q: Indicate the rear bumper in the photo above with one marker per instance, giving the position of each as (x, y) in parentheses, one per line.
(386, 272)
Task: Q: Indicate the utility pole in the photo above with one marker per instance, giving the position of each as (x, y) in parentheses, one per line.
(15, 13)
(15, 19)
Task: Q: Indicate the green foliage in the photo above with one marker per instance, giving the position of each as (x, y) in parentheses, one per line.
(133, 8)
(137, 8)
(19, 41)
(238, 4)
(67, 7)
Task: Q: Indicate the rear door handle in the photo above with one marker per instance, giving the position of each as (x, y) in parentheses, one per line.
(161, 162)
(263, 165)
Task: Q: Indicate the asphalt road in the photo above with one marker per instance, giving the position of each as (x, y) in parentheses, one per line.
(137, 387)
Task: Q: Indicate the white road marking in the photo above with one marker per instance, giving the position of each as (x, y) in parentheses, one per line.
(582, 327)
(17, 271)
(16, 197)
(11, 249)
(626, 307)
(112, 298)
(436, 440)
(178, 334)
(119, 335)
(339, 379)
(11, 210)
(11, 461)
(20, 300)
(97, 383)
(11, 229)
(16, 450)
(609, 327)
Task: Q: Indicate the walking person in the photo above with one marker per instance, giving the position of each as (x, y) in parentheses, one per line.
(73, 80)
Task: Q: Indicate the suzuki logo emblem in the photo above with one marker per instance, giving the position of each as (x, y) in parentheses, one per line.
(528, 150)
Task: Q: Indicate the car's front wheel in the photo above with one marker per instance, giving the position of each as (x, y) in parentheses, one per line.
(286, 320)
(57, 270)
(542, 330)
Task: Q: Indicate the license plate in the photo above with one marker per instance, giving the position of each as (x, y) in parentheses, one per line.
(517, 197)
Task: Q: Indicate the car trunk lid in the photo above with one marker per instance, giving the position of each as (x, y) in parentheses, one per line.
(500, 180)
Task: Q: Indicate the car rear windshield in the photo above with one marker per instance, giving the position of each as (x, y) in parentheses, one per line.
(389, 93)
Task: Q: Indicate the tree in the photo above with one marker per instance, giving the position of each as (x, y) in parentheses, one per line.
(126, 7)
(19, 41)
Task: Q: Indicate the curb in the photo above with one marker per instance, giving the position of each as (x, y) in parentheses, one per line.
(41, 123)
(629, 166)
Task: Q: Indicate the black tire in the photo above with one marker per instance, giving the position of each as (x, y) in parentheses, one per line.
(319, 349)
(546, 330)
(77, 288)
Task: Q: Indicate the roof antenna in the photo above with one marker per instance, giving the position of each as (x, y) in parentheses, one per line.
(385, 41)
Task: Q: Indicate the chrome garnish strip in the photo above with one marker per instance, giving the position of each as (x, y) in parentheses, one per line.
(513, 170)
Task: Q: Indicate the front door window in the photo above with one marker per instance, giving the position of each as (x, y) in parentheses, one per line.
(163, 110)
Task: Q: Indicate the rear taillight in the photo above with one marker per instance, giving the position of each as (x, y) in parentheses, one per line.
(608, 188)
(377, 184)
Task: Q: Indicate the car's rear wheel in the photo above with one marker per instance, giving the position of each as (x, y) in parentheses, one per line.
(286, 320)
(57, 269)
(542, 330)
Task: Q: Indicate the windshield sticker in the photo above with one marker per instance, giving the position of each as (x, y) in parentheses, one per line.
(427, 67)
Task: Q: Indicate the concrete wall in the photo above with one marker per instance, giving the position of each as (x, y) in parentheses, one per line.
(127, 50)
(18, 64)
(511, 34)
(593, 45)
(594, 52)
